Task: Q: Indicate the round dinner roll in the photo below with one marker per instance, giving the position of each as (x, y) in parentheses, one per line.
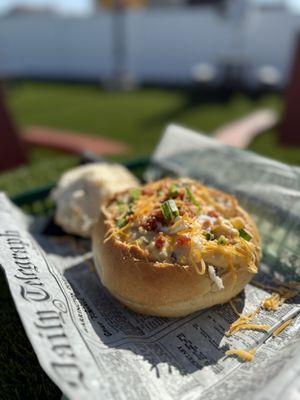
(80, 191)
(174, 246)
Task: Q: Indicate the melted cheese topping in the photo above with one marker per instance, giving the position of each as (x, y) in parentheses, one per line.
(206, 228)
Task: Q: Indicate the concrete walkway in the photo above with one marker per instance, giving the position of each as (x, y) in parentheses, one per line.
(241, 132)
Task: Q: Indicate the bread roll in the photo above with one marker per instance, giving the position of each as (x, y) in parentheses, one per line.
(174, 247)
(79, 193)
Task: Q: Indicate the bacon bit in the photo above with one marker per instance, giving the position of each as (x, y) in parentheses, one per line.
(147, 191)
(181, 193)
(182, 240)
(192, 210)
(159, 242)
(188, 209)
(213, 214)
(206, 224)
(158, 214)
(151, 222)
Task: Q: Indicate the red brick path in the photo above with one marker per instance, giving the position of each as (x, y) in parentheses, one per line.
(72, 143)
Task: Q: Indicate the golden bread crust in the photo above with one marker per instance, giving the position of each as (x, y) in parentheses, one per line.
(161, 288)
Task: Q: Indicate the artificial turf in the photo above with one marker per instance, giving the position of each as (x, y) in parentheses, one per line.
(138, 118)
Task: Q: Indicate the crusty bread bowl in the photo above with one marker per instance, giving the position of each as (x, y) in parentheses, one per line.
(170, 265)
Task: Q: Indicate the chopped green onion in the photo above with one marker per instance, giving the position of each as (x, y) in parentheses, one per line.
(169, 210)
(121, 208)
(191, 197)
(135, 194)
(121, 222)
(209, 236)
(245, 235)
(222, 240)
(130, 211)
(173, 190)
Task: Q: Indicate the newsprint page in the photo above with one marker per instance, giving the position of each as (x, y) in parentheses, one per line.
(94, 348)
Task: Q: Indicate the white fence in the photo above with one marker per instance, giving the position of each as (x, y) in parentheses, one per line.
(160, 45)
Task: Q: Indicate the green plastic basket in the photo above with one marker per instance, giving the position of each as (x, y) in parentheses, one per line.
(38, 201)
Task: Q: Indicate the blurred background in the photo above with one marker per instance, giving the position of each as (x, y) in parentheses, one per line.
(107, 76)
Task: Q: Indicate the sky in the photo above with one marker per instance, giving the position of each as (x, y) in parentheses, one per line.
(64, 6)
(85, 6)
(293, 4)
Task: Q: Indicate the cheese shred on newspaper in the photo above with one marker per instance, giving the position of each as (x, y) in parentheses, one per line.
(282, 327)
(243, 322)
(242, 354)
(271, 303)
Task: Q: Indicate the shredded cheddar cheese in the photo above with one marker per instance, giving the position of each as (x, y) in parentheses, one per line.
(248, 326)
(282, 327)
(272, 302)
(280, 295)
(242, 320)
(242, 354)
(234, 308)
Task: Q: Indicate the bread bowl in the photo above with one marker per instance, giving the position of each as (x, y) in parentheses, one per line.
(174, 246)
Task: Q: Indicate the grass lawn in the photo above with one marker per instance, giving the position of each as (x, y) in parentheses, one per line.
(138, 118)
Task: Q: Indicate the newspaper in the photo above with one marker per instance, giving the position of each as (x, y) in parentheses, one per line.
(94, 348)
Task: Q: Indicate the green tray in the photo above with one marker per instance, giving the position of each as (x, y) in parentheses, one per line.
(38, 201)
